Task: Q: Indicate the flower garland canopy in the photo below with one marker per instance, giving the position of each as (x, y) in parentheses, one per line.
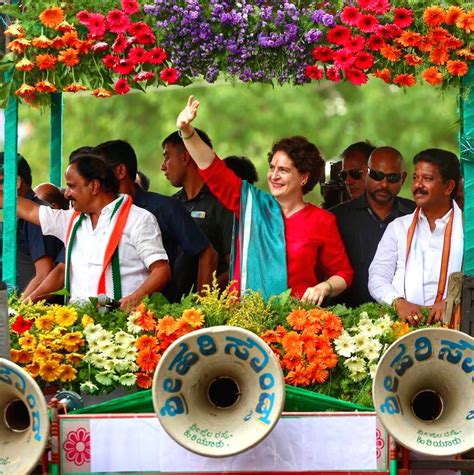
(122, 44)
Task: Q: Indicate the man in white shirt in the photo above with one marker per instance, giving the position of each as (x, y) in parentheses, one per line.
(113, 247)
(419, 251)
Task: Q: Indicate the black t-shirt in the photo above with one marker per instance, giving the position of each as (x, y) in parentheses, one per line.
(361, 231)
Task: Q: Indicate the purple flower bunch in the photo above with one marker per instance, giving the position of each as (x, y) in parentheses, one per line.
(256, 41)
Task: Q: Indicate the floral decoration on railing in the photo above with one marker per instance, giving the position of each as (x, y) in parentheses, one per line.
(114, 47)
(331, 351)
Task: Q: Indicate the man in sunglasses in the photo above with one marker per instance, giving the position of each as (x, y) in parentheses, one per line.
(354, 167)
(363, 220)
(418, 252)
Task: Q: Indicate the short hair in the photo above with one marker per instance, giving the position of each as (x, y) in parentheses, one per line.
(53, 194)
(23, 168)
(305, 156)
(85, 150)
(447, 163)
(242, 167)
(116, 152)
(175, 139)
(364, 148)
(91, 167)
(144, 180)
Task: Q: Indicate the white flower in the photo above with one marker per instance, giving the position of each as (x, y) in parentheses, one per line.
(104, 338)
(91, 332)
(384, 323)
(104, 377)
(124, 338)
(105, 346)
(372, 370)
(132, 325)
(344, 345)
(364, 315)
(358, 375)
(355, 364)
(114, 352)
(127, 379)
(88, 387)
(372, 350)
(360, 340)
(99, 361)
(129, 353)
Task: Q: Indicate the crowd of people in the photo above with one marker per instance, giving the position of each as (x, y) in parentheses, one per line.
(107, 233)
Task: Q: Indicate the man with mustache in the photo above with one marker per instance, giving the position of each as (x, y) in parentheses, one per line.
(363, 220)
(418, 252)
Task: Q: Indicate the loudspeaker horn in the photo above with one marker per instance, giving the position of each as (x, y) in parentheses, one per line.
(218, 391)
(24, 423)
(423, 391)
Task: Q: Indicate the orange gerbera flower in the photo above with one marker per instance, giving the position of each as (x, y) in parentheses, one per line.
(383, 74)
(465, 53)
(309, 340)
(291, 361)
(21, 356)
(333, 326)
(439, 56)
(144, 381)
(101, 93)
(33, 369)
(46, 61)
(19, 46)
(70, 38)
(194, 317)
(319, 375)
(41, 42)
(146, 341)
(147, 321)
(52, 17)
(166, 325)
(292, 344)
(74, 87)
(271, 336)
(67, 373)
(16, 30)
(46, 86)
(413, 59)
(466, 22)
(409, 38)
(434, 16)
(457, 68)
(57, 42)
(24, 65)
(74, 358)
(83, 46)
(69, 56)
(182, 328)
(432, 76)
(391, 53)
(404, 80)
(400, 329)
(147, 359)
(453, 14)
(298, 319)
(329, 359)
(298, 377)
(65, 26)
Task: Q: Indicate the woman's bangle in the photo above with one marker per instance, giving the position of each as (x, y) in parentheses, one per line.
(331, 288)
(188, 137)
(394, 301)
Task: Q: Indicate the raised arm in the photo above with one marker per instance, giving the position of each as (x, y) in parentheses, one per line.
(200, 152)
(25, 209)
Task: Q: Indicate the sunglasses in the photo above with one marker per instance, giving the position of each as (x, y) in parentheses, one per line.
(379, 176)
(352, 172)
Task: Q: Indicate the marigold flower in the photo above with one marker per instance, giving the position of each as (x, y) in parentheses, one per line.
(19, 46)
(67, 373)
(28, 341)
(69, 57)
(402, 17)
(404, 80)
(45, 322)
(313, 72)
(74, 358)
(356, 76)
(46, 61)
(41, 353)
(86, 320)
(21, 325)
(16, 30)
(52, 17)
(391, 53)
(144, 380)
(50, 371)
(434, 16)
(101, 93)
(73, 341)
(148, 359)
(130, 7)
(65, 316)
(457, 68)
(170, 75)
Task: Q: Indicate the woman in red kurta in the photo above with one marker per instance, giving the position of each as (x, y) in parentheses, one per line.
(312, 242)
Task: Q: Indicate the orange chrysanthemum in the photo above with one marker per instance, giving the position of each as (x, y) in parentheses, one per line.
(148, 359)
(318, 374)
(83, 46)
(453, 14)
(409, 38)
(74, 358)
(434, 16)
(67, 373)
(466, 22)
(52, 17)
(432, 76)
(146, 341)
(33, 369)
(69, 57)
(15, 30)
(439, 56)
(144, 381)
(46, 86)
(74, 87)
(24, 65)
(166, 325)
(19, 46)
(404, 80)
(41, 42)
(329, 359)
(194, 317)
(298, 377)
(297, 319)
(457, 68)
(383, 74)
(271, 336)
(182, 328)
(391, 53)
(292, 344)
(46, 61)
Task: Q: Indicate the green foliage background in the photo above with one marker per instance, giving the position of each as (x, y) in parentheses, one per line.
(246, 119)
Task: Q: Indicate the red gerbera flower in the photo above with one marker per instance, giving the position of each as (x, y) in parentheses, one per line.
(343, 58)
(83, 16)
(122, 86)
(123, 67)
(402, 17)
(143, 76)
(379, 6)
(146, 38)
(97, 25)
(138, 28)
(130, 7)
(383, 74)
(170, 75)
(457, 68)
(389, 31)
(375, 42)
(355, 43)
(156, 55)
(350, 15)
(356, 76)
(314, 72)
(20, 325)
(367, 23)
(118, 21)
(110, 61)
(338, 35)
(120, 44)
(333, 74)
(138, 55)
(364, 60)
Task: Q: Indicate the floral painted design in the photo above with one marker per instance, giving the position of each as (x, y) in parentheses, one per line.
(77, 447)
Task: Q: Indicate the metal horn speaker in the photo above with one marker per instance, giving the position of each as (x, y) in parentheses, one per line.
(424, 391)
(218, 391)
(24, 423)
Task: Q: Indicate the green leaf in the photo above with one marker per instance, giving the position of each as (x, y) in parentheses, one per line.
(158, 300)
(11, 10)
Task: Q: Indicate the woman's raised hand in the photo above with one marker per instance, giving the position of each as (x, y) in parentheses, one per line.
(188, 114)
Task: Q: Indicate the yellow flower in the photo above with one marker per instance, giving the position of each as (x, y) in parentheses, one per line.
(87, 320)
(41, 353)
(24, 64)
(65, 316)
(67, 373)
(21, 356)
(50, 342)
(74, 358)
(45, 322)
(56, 357)
(15, 29)
(33, 369)
(28, 341)
(50, 371)
(72, 341)
(194, 317)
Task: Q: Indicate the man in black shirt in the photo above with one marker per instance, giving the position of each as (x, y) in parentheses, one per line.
(363, 221)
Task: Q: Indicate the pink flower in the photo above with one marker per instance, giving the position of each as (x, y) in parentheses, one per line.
(83, 16)
(118, 21)
(333, 74)
(355, 43)
(77, 447)
(120, 44)
(143, 76)
(169, 75)
(100, 46)
(367, 23)
(121, 86)
(130, 6)
(343, 58)
(138, 55)
(356, 76)
(402, 17)
(379, 6)
(314, 72)
(96, 25)
(157, 55)
(338, 35)
(364, 60)
(123, 66)
(350, 15)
